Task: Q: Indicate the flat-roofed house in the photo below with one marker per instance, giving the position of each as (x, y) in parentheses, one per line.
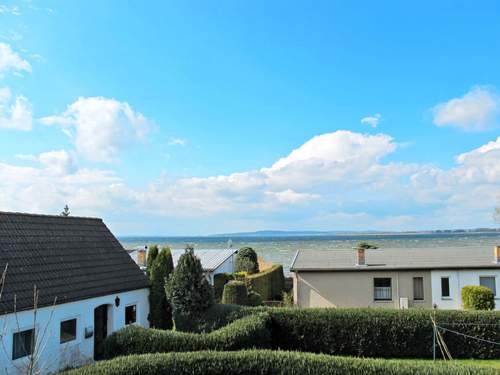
(393, 278)
(88, 287)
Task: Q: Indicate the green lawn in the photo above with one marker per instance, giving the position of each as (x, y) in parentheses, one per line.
(495, 363)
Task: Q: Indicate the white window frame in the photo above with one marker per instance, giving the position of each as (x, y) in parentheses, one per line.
(494, 280)
(448, 297)
(125, 313)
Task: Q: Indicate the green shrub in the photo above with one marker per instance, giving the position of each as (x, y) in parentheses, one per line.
(235, 293)
(269, 283)
(477, 298)
(220, 280)
(188, 292)
(249, 332)
(384, 333)
(263, 362)
(246, 260)
(254, 299)
(152, 254)
(160, 315)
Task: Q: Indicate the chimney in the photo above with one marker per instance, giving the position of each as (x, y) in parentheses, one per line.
(496, 254)
(360, 259)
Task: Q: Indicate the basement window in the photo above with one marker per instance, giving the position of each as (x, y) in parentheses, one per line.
(23, 343)
(67, 331)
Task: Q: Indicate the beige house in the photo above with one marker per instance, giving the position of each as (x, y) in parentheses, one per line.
(392, 278)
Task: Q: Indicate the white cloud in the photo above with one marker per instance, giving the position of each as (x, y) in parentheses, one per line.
(176, 142)
(11, 61)
(476, 110)
(15, 113)
(100, 127)
(10, 9)
(292, 197)
(373, 121)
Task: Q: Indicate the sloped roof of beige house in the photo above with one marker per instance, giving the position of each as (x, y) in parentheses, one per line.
(396, 259)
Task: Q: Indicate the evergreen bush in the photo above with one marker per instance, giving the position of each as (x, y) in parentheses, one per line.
(269, 283)
(152, 254)
(160, 312)
(477, 298)
(246, 260)
(189, 292)
(235, 292)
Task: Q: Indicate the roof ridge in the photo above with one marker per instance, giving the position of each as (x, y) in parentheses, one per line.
(48, 215)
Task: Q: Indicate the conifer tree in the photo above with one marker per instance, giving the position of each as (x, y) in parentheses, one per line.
(160, 311)
(152, 254)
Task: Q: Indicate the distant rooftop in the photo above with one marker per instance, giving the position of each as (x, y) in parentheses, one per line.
(210, 259)
(397, 259)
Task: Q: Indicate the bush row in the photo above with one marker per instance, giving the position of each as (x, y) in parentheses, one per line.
(248, 332)
(269, 283)
(384, 333)
(268, 362)
(354, 332)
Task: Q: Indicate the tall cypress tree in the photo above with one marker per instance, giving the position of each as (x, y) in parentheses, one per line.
(152, 254)
(188, 291)
(160, 311)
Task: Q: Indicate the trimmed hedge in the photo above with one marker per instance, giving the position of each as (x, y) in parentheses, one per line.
(235, 293)
(269, 283)
(249, 332)
(268, 362)
(220, 280)
(384, 333)
(476, 297)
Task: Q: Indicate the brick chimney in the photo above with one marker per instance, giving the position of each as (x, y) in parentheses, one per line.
(496, 254)
(360, 256)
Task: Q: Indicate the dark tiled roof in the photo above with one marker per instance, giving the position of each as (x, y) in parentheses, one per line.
(71, 258)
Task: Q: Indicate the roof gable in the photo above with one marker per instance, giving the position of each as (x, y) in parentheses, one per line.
(68, 258)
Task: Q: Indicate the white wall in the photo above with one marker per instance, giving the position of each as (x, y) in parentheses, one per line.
(459, 279)
(55, 356)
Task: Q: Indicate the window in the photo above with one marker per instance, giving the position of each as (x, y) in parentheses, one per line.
(382, 289)
(445, 287)
(68, 331)
(22, 345)
(488, 282)
(418, 288)
(130, 314)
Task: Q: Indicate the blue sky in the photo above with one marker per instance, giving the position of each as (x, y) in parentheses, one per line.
(171, 117)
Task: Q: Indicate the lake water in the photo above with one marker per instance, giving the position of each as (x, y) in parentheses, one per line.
(282, 249)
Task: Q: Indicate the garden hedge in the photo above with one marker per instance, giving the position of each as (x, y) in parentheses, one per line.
(235, 293)
(475, 297)
(249, 332)
(268, 362)
(269, 283)
(384, 333)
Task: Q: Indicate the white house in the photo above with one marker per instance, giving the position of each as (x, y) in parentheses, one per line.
(213, 261)
(393, 278)
(87, 287)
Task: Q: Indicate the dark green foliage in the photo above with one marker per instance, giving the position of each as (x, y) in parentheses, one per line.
(366, 245)
(249, 332)
(477, 298)
(220, 280)
(288, 299)
(235, 293)
(160, 311)
(220, 315)
(152, 254)
(269, 283)
(384, 333)
(254, 299)
(264, 362)
(246, 260)
(189, 292)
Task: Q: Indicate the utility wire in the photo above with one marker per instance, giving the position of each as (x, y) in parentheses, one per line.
(469, 336)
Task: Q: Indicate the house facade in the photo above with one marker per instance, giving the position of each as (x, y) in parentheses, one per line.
(68, 285)
(393, 278)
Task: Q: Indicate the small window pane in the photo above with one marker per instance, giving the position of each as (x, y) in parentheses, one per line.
(68, 330)
(418, 288)
(22, 345)
(130, 314)
(382, 289)
(488, 282)
(445, 287)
